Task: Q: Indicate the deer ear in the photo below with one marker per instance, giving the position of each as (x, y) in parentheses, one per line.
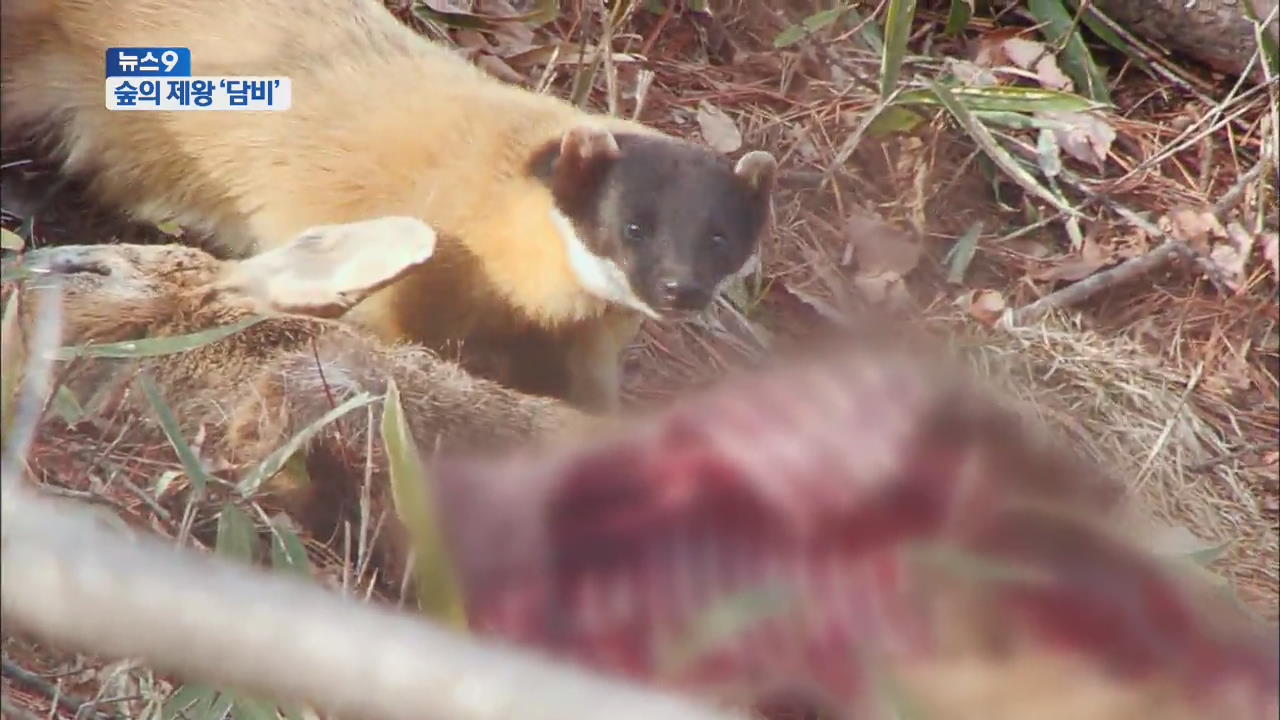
(327, 269)
(758, 169)
(586, 152)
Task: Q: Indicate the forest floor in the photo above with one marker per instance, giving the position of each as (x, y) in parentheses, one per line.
(1171, 377)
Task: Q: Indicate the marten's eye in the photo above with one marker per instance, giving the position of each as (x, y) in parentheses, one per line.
(633, 232)
(719, 240)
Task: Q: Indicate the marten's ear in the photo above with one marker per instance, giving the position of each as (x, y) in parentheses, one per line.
(758, 169)
(327, 269)
(585, 153)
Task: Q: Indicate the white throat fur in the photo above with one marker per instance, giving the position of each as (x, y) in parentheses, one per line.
(599, 276)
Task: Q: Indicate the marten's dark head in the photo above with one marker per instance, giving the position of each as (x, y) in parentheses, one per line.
(654, 223)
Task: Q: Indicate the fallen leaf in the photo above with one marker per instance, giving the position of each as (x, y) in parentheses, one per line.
(803, 142)
(1047, 153)
(990, 52)
(1010, 47)
(471, 40)
(1085, 136)
(1271, 251)
(497, 67)
(1092, 257)
(509, 37)
(1231, 256)
(880, 248)
(886, 288)
(718, 130)
(984, 305)
(450, 6)
(1035, 56)
(823, 308)
(1031, 247)
(1237, 373)
(971, 73)
(1194, 226)
(1023, 52)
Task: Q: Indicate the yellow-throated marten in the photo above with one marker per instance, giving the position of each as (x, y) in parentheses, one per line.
(559, 229)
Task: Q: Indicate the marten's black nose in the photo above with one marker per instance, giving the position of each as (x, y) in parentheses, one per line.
(683, 296)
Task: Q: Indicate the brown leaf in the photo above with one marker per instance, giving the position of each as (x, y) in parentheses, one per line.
(971, 74)
(718, 130)
(1085, 136)
(471, 40)
(1010, 47)
(509, 37)
(823, 308)
(462, 7)
(1031, 247)
(990, 52)
(1033, 55)
(498, 68)
(984, 305)
(1092, 257)
(1194, 226)
(879, 247)
(1232, 255)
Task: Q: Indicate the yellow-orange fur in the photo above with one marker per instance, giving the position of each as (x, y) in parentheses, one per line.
(383, 122)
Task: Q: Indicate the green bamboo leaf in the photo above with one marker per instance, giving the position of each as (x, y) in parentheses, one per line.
(808, 26)
(1003, 98)
(962, 254)
(281, 455)
(958, 16)
(246, 708)
(439, 592)
(153, 347)
(169, 424)
(872, 39)
(188, 701)
(237, 537)
(999, 155)
(897, 29)
(67, 406)
(220, 707)
(894, 119)
(1058, 27)
(1014, 120)
(287, 551)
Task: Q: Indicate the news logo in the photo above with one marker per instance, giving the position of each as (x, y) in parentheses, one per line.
(160, 78)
